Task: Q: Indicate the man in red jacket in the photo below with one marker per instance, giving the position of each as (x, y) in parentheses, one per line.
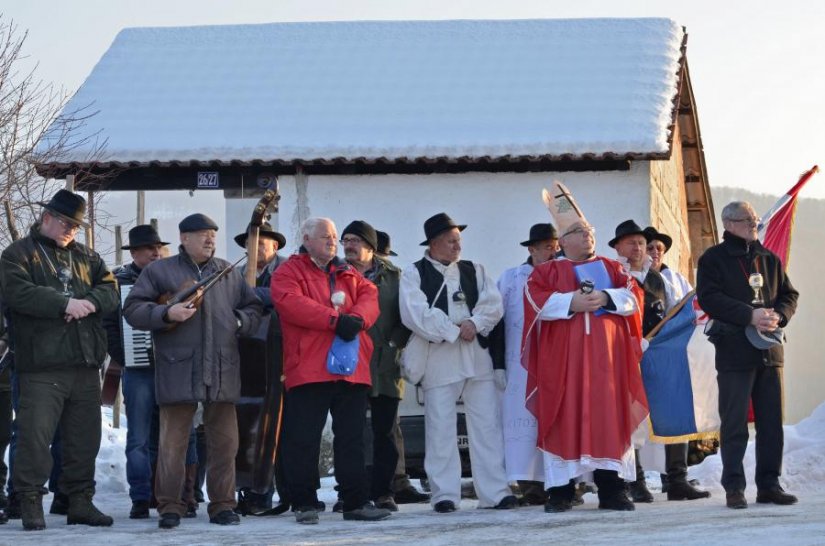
(319, 298)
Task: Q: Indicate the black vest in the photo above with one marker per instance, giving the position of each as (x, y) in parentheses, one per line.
(431, 281)
(655, 300)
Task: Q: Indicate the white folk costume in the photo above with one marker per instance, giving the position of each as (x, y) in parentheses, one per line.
(435, 299)
(522, 459)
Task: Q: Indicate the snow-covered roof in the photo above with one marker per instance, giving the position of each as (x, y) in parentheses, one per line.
(385, 90)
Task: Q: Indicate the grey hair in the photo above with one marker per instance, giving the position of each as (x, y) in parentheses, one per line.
(732, 210)
(310, 225)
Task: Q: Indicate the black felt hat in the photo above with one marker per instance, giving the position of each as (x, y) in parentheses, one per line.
(384, 244)
(197, 222)
(651, 234)
(143, 235)
(69, 206)
(362, 230)
(628, 227)
(265, 231)
(438, 224)
(540, 232)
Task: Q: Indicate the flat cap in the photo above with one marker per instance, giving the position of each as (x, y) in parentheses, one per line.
(197, 222)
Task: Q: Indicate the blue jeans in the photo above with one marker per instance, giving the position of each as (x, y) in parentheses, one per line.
(56, 451)
(142, 432)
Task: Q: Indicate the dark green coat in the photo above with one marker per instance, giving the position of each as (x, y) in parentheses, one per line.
(43, 340)
(389, 335)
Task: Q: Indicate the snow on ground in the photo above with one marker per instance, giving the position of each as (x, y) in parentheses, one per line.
(704, 522)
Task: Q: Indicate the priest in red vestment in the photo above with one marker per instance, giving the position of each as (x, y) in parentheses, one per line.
(582, 347)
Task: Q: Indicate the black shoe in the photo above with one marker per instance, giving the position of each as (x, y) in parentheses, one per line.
(169, 520)
(31, 508)
(617, 501)
(507, 503)
(639, 492)
(775, 495)
(140, 509)
(444, 507)
(410, 495)
(555, 505)
(368, 512)
(682, 490)
(338, 507)
(3, 518)
(191, 511)
(225, 517)
(387, 502)
(60, 504)
(736, 500)
(13, 509)
(306, 515)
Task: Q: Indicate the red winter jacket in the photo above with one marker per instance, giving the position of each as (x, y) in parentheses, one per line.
(301, 295)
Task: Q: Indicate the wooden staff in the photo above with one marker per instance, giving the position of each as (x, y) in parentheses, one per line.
(670, 314)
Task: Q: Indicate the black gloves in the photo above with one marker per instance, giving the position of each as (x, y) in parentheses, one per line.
(348, 327)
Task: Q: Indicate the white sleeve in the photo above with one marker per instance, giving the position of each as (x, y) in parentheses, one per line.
(623, 299)
(489, 308)
(427, 322)
(557, 307)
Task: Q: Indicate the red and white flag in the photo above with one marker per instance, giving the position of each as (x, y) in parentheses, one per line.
(777, 224)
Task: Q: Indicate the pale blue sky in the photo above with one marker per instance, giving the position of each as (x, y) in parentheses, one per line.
(755, 65)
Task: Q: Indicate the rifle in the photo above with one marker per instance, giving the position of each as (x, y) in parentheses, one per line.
(193, 295)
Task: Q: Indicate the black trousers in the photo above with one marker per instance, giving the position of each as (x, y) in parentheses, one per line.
(383, 410)
(5, 424)
(763, 385)
(305, 414)
(71, 398)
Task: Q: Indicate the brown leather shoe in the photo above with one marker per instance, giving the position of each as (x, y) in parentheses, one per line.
(736, 500)
(775, 495)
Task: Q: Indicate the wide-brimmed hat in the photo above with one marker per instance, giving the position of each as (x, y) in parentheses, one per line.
(143, 235)
(628, 227)
(69, 206)
(362, 229)
(764, 340)
(384, 244)
(651, 234)
(540, 232)
(265, 231)
(438, 224)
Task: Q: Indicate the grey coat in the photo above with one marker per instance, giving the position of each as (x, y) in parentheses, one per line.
(197, 360)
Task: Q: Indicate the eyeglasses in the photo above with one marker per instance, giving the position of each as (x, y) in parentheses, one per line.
(751, 221)
(67, 226)
(351, 241)
(590, 230)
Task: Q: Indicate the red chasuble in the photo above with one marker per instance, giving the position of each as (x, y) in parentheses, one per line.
(585, 389)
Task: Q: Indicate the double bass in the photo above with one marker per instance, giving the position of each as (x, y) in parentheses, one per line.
(259, 412)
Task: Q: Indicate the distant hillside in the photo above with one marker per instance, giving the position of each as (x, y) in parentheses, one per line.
(804, 355)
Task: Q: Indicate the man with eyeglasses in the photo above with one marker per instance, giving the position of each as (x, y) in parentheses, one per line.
(582, 346)
(743, 287)
(451, 306)
(57, 290)
(326, 308)
(389, 336)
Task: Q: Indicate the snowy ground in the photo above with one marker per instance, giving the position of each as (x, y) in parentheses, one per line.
(702, 522)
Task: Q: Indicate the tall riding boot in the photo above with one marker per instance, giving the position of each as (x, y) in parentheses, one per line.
(678, 486)
(188, 494)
